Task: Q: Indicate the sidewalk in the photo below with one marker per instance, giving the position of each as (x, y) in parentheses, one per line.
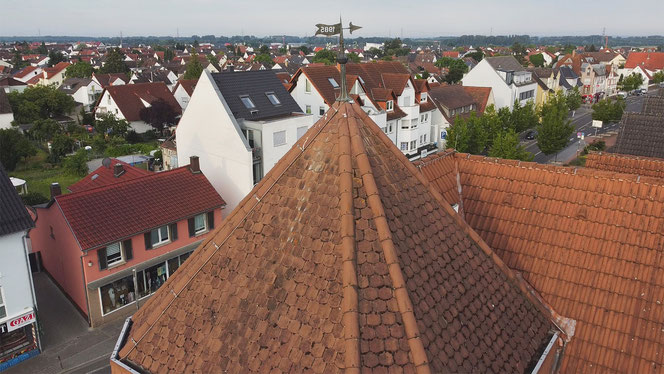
(68, 344)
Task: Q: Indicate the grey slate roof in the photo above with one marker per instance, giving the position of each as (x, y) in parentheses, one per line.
(255, 84)
(654, 105)
(505, 63)
(4, 103)
(71, 85)
(641, 134)
(13, 215)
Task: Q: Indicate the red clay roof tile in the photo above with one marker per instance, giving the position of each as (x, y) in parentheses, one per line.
(342, 257)
(104, 176)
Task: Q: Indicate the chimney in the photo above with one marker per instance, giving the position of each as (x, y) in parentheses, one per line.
(194, 165)
(55, 190)
(118, 170)
(231, 68)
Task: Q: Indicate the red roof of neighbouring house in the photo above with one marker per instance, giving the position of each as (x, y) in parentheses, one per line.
(187, 84)
(453, 54)
(106, 79)
(103, 215)
(104, 176)
(481, 95)
(25, 71)
(50, 72)
(128, 98)
(648, 60)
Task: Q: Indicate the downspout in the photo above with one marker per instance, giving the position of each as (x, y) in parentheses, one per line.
(85, 289)
(32, 288)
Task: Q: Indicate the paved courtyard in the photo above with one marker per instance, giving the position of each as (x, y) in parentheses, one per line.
(69, 345)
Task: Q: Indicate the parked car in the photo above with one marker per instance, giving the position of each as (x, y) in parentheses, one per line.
(531, 135)
(622, 94)
(638, 92)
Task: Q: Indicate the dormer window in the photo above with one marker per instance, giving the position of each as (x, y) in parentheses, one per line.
(333, 82)
(248, 103)
(273, 98)
(389, 105)
(423, 97)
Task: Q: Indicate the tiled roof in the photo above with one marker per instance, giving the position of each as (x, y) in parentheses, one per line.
(106, 79)
(641, 135)
(395, 81)
(505, 63)
(187, 84)
(342, 259)
(25, 71)
(255, 84)
(103, 215)
(50, 72)
(128, 98)
(481, 96)
(654, 104)
(451, 96)
(13, 215)
(104, 176)
(648, 60)
(643, 166)
(71, 85)
(319, 76)
(588, 241)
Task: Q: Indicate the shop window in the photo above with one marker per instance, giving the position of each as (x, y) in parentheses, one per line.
(152, 278)
(117, 294)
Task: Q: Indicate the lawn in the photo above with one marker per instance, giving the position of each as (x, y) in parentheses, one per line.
(39, 174)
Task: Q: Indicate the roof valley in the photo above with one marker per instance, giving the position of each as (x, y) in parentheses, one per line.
(400, 292)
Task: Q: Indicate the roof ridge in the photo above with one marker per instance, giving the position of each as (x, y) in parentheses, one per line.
(243, 209)
(419, 356)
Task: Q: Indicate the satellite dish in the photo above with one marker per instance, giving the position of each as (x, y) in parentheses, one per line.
(106, 162)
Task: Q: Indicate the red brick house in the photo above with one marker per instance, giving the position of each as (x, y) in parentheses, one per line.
(110, 247)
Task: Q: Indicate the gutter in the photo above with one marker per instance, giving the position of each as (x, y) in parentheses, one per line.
(32, 289)
(545, 354)
(122, 339)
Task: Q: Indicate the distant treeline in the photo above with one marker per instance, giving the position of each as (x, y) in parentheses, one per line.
(450, 41)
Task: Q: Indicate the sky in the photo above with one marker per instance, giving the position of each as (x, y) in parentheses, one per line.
(278, 17)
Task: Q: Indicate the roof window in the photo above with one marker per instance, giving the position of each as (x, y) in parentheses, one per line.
(248, 103)
(273, 98)
(333, 82)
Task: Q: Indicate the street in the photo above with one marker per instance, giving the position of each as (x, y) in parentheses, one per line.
(582, 121)
(69, 345)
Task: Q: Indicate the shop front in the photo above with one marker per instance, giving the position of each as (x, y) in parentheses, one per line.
(19, 339)
(121, 294)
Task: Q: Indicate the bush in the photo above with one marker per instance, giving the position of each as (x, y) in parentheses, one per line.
(77, 163)
(133, 137)
(34, 198)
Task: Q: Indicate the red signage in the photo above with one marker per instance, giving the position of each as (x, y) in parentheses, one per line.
(21, 321)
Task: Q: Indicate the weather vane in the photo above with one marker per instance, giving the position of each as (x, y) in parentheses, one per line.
(330, 30)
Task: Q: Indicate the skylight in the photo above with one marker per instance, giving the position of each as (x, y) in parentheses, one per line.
(248, 103)
(273, 98)
(333, 82)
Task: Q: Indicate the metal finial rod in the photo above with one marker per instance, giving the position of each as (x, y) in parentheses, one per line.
(342, 60)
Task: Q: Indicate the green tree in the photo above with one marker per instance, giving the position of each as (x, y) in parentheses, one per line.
(506, 145)
(555, 128)
(590, 48)
(304, 49)
(211, 59)
(524, 117)
(194, 67)
(60, 146)
(468, 134)
(353, 57)
(631, 82)
(375, 52)
(168, 55)
(17, 60)
(325, 56)
(14, 147)
(44, 130)
(76, 164)
(455, 68)
(158, 115)
(265, 59)
(34, 198)
(80, 69)
(607, 110)
(658, 77)
(573, 99)
(107, 123)
(264, 50)
(42, 50)
(39, 102)
(394, 47)
(55, 57)
(537, 60)
(477, 55)
(114, 63)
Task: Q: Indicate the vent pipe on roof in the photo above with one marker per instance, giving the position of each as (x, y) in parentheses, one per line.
(118, 170)
(194, 164)
(55, 189)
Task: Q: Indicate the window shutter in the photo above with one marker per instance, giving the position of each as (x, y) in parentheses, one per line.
(128, 250)
(210, 217)
(148, 240)
(192, 232)
(101, 254)
(174, 231)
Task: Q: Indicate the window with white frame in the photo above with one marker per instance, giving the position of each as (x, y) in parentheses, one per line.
(279, 138)
(321, 111)
(248, 103)
(425, 138)
(424, 117)
(390, 127)
(423, 97)
(3, 308)
(200, 223)
(159, 236)
(414, 123)
(307, 109)
(114, 254)
(389, 105)
(307, 86)
(384, 129)
(413, 144)
(301, 131)
(405, 124)
(404, 146)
